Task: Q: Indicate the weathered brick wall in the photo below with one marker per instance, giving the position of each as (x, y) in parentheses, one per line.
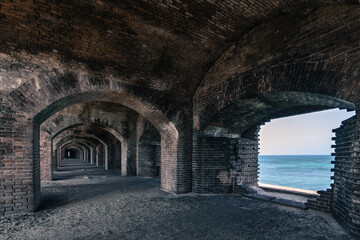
(148, 149)
(346, 174)
(224, 164)
(146, 160)
(43, 96)
(46, 164)
(117, 160)
(182, 150)
(322, 203)
(302, 51)
(36, 163)
(146, 42)
(245, 166)
(17, 182)
(151, 57)
(157, 161)
(211, 164)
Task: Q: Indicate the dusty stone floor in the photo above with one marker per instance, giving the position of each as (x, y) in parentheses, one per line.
(94, 204)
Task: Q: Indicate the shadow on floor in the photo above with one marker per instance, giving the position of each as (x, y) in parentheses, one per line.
(77, 181)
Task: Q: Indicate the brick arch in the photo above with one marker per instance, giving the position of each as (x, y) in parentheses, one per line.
(300, 55)
(246, 113)
(80, 144)
(83, 147)
(151, 112)
(291, 53)
(59, 122)
(41, 103)
(79, 147)
(100, 123)
(90, 139)
(94, 137)
(48, 133)
(87, 143)
(167, 129)
(103, 126)
(40, 97)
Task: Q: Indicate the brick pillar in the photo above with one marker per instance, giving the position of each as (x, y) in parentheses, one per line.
(176, 161)
(157, 161)
(93, 155)
(19, 186)
(97, 158)
(346, 187)
(147, 160)
(82, 154)
(45, 157)
(211, 163)
(55, 157)
(245, 168)
(221, 162)
(118, 155)
(133, 149)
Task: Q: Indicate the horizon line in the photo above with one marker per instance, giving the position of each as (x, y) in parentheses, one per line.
(294, 154)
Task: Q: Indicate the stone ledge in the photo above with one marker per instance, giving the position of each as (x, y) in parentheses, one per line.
(290, 190)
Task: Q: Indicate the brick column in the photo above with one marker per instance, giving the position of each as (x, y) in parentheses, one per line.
(97, 155)
(176, 161)
(19, 186)
(132, 148)
(147, 160)
(346, 188)
(93, 155)
(224, 164)
(45, 157)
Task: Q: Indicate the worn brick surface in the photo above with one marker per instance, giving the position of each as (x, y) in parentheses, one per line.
(219, 163)
(314, 51)
(148, 81)
(346, 177)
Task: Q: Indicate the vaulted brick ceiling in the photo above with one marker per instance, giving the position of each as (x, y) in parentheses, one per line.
(167, 45)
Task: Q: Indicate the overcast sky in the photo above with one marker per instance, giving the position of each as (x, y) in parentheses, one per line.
(306, 134)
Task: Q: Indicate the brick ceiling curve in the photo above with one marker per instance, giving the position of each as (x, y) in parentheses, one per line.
(156, 44)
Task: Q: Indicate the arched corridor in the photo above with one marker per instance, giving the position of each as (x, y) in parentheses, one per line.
(102, 102)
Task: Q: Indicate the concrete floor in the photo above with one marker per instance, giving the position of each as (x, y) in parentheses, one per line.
(86, 202)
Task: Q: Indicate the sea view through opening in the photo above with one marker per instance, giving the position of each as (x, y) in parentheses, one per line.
(310, 172)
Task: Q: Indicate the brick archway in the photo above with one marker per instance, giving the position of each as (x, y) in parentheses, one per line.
(97, 124)
(172, 161)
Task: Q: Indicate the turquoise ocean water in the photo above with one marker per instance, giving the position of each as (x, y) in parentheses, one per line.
(311, 172)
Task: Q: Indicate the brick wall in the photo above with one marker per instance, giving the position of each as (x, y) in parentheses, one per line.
(346, 177)
(44, 96)
(322, 203)
(304, 52)
(17, 183)
(219, 163)
(148, 149)
(45, 156)
(147, 160)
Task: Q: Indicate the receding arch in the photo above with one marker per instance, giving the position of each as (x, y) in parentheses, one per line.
(72, 139)
(83, 146)
(169, 134)
(90, 145)
(246, 113)
(103, 126)
(98, 139)
(78, 147)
